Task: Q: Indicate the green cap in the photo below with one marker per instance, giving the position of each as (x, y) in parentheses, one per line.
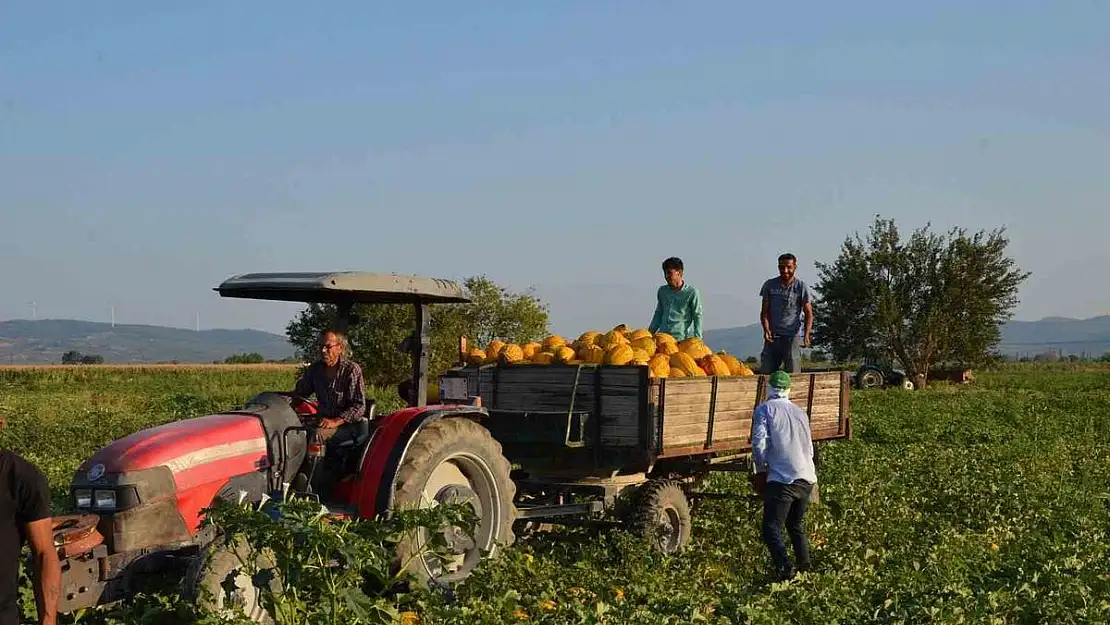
(780, 379)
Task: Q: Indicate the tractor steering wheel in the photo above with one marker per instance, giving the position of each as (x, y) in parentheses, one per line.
(304, 407)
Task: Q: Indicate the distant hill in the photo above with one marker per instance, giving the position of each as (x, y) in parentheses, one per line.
(44, 341)
(1019, 338)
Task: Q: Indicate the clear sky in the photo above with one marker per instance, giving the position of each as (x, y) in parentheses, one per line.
(148, 153)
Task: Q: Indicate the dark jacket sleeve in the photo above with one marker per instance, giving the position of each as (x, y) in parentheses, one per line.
(304, 383)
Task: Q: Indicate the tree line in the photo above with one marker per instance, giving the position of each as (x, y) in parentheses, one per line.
(920, 300)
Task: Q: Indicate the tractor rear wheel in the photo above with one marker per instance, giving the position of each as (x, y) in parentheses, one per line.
(455, 459)
(871, 378)
(661, 513)
(218, 581)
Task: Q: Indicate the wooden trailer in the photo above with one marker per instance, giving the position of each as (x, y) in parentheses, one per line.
(594, 421)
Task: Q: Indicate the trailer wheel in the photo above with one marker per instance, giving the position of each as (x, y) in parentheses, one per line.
(455, 460)
(661, 513)
(219, 581)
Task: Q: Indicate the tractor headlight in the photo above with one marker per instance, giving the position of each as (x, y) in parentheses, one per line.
(105, 498)
(83, 498)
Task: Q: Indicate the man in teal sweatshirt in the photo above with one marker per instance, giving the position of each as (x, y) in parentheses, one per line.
(678, 310)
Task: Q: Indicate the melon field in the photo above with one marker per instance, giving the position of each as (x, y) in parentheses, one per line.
(986, 504)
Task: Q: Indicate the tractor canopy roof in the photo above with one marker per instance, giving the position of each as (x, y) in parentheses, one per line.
(345, 287)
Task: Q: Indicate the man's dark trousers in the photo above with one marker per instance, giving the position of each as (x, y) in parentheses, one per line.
(782, 351)
(786, 504)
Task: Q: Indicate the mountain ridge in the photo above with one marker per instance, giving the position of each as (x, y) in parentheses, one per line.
(44, 341)
(1065, 335)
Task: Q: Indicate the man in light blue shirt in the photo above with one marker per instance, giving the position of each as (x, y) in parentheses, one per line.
(782, 448)
(678, 309)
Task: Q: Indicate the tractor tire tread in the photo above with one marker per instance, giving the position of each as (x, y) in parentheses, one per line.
(650, 497)
(431, 441)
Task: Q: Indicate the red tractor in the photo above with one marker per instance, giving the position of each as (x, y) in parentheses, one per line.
(141, 498)
(589, 441)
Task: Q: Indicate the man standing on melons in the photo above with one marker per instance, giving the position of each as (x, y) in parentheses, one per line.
(785, 300)
(678, 309)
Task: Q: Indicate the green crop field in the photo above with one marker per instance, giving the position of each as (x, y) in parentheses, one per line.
(981, 504)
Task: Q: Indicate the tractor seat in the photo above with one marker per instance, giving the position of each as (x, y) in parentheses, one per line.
(363, 430)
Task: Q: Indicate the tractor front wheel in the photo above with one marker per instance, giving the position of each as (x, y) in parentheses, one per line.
(455, 460)
(224, 579)
(661, 513)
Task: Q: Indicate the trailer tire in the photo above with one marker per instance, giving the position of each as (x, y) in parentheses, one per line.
(455, 457)
(661, 513)
(219, 565)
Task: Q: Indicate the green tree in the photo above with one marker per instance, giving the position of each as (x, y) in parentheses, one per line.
(925, 300)
(252, 358)
(493, 312)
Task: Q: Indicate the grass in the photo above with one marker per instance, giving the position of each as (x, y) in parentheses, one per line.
(980, 504)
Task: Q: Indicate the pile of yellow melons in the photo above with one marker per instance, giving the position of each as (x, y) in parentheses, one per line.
(665, 357)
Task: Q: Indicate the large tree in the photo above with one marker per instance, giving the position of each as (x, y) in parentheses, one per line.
(493, 312)
(922, 301)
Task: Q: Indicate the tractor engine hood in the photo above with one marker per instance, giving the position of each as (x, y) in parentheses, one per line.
(227, 443)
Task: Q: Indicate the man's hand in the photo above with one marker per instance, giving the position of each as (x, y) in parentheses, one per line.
(805, 340)
(47, 569)
(767, 336)
(329, 423)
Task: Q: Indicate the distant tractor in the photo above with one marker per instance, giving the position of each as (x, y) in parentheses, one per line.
(879, 374)
(592, 442)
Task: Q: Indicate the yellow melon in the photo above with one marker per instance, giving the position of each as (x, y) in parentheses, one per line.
(476, 356)
(667, 348)
(530, 349)
(611, 338)
(714, 365)
(511, 353)
(493, 350)
(676, 373)
(553, 342)
(543, 358)
(619, 354)
(587, 338)
(645, 343)
(591, 353)
(686, 364)
(694, 347)
(735, 367)
(663, 337)
(641, 355)
(641, 333)
(660, 365)
(564, 354)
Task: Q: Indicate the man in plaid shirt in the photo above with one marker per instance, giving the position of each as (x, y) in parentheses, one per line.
(337, 382)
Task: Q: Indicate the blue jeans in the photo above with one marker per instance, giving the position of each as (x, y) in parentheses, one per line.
(786, 504)
(782, 351)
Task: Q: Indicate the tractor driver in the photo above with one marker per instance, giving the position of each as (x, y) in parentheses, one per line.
(337, 382)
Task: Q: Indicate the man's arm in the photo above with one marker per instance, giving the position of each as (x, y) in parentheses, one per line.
(356, 396)
(304, 383)
(807, 308)
(657, 318)
(696, 314)
(765, 312)
(760, 441)
(34, 513)
(47, 570)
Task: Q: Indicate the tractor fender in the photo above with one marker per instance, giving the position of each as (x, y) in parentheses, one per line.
(387, 448)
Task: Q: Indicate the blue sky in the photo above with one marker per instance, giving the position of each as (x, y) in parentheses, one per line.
(146, 153)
